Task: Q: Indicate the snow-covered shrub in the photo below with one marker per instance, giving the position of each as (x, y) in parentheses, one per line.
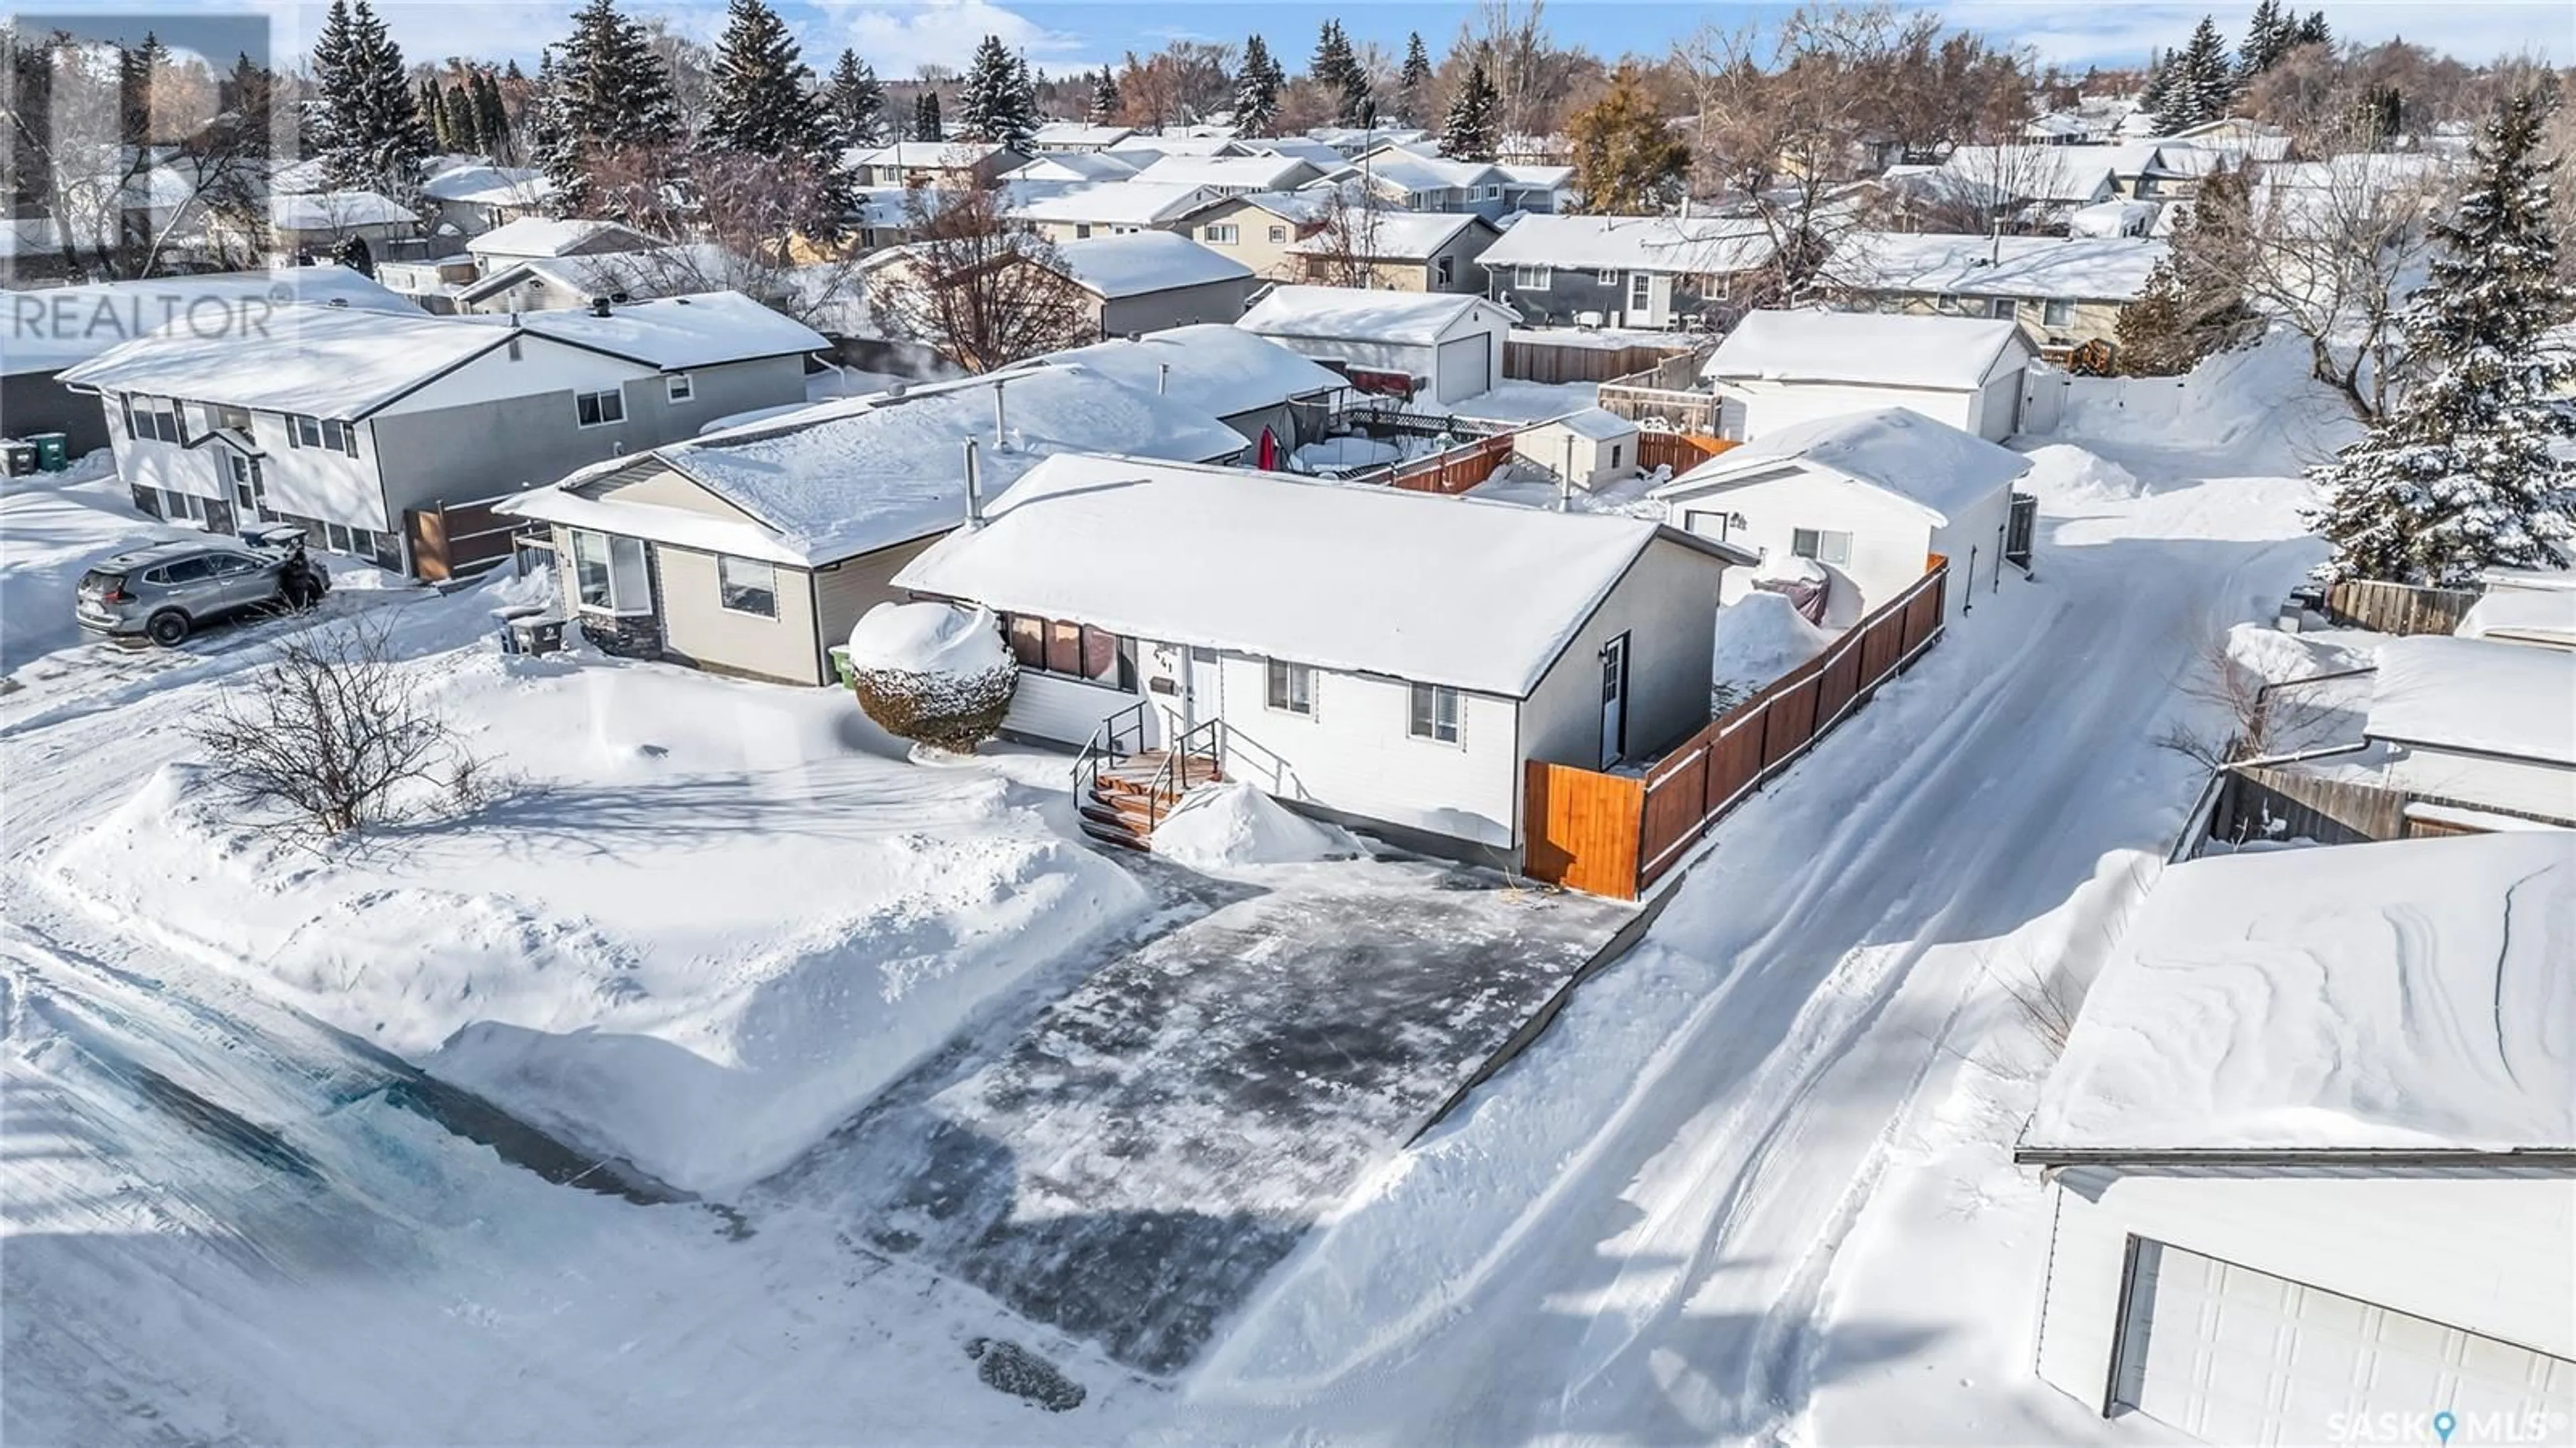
(934, 673)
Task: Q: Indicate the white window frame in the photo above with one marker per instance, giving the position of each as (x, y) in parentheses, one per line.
(1532, 278)
(1221, 233)
(1288, 688)
(303, 429)
(679, 387)
(335, 536)
(1444, 270)
(2004, 309)
(1824, 545)
(2057, 312)
(1641, 282)
(623, 566)
(727, 589)
(1608, 276)
(600, 400)
(362, 541)
(1434, 712)
(1278, 236)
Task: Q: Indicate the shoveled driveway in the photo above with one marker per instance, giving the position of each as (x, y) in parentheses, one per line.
(1127, 1165)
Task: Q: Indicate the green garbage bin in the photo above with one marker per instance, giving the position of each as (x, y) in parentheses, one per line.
(53, 451)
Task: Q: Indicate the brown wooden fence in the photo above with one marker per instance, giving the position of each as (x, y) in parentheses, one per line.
(2398, 608)
(454, 540)
(1617, 835)
(1551, 362)
(1456, 470)
(1680, 451)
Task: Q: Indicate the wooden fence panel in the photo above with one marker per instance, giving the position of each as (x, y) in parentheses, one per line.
(1882, 643)
(1789, 723)
(1456, 470)
(1673, 807)
(1582, 828)
(458, 539)
(1922, 616)
(2398, 608)
(1735, 764)
(1680, 451)
(1840, 680)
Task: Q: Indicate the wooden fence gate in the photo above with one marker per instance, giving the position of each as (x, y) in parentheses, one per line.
(458, 540)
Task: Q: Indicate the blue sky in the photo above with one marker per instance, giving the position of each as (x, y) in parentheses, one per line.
(1059, 35)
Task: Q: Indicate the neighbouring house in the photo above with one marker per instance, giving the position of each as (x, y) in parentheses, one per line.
(1147, 280)
(342, 420)
(1262, 230)
(2062, 292)
(313, 223)
(432, 284)
(1154, 144)
(1076, 137)
(2311, 1149)
(1434, 345)
(1108, 208)
(472, 199)
(2057, 177)
(752, 551)
(1249, 383)
(1305, 148)
(1417, 179)
(2480, 723)
(1075, 168)
(541, 238)
(636, 274)
(1624, 271)
(1777, 369)
(1232, 175)
(50, 329)
(1869, 497)
(933, 163)
(2237, 137)
(1353, 140)
(1590, 447)
(1386, 659)
(1403, 251)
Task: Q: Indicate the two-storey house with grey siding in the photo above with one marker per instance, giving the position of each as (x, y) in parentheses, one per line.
(1623, 271)
(344, 422)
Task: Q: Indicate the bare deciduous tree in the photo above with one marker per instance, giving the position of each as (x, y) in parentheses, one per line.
(2338, 246)
(981, 288)
(2257, 717)
(1344, 249)
(335, 734)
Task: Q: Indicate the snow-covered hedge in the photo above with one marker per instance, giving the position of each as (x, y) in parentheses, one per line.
(935, 673)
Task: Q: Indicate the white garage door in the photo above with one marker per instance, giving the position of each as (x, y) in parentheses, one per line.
(1465, 367)
(2230, 1355)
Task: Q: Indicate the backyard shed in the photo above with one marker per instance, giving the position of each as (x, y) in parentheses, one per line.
(1591, 447)
(1451, 346)
(1778, 369)
(1145, 281)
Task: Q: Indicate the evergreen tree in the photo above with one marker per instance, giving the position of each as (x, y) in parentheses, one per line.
(491, 117)
(457, 131)
(372, 132)
(855, 101)
(1468, 135)
(611, 93)
(2460, 475)
(1106, 103)
(2268, 37)
(999, 104)
(1337, 69)
(1626, 160)
(761, 100)
(2194, 300)
(2314, 30)
(2201, 85)
(431, 101)
(1256, 90)
(1413, 82)
(926, 125)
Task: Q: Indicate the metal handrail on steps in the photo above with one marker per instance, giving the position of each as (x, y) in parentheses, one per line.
(1101, 749)
(1176, 766)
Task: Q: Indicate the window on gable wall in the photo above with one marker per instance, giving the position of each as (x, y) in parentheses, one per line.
(1433, 713)
(601, 408)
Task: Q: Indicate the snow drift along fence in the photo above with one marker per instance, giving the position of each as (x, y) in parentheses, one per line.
(2398, 608)
(1456, 470)
(1617, 835)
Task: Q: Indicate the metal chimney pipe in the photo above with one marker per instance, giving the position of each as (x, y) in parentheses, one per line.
(1000, 438)
(1565, 478)
(975, 483)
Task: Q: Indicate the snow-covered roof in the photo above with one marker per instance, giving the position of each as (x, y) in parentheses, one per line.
(925, 155)
(653, 271)
(481, 185)
(2107, 268)
(1117, 203)
(1173, 143)
(854, 476)
(1392, 235)
(337, 211)
(1896, 450)
(1076, 133)
(1349, 139)
(1396, 168)
(1474, 595)
(676, 333)
(1599, 424)
(1706, 245)
(2112, 218)
(323, 361)
(53, 327)
(1944, 353)
(1305, 148)
(1238, 173)
(1222, 370)
(1526, 176)
(1137, 263)
(1346, 314)
(2476, 694)
(2038, 173)
(1072, 168)
(547, 236)
(2531, 615)
(2412, 994)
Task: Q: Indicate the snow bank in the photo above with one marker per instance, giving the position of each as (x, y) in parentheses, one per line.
(928, 638)
(1760, 637)
(2063, 472)
(1236, 824)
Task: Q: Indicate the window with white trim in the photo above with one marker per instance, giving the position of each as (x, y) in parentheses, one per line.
(2058, 312)
(1530, 278)
(2003, 309)
(1608, 276)
(679, 387)
(1222, 233)
(610, 574)
(147, 418)
(1433, 713)
(1291, 687)
(1444, 270)
(1278, 236)
(603, 408)
(1825, 545)
(746, 585)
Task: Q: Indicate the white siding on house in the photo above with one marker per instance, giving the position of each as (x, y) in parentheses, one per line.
(1061, 710)
(1972, 541)
(1770, 406)
(845, 591)
(543, 365)
(1890, 538)
(2487, 1251)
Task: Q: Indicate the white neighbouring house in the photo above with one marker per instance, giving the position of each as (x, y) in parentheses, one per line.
(1449, 347)
(1869, 496)
(1382, 658)
(1777, 369)
(2312, 1145)
(2477, 722)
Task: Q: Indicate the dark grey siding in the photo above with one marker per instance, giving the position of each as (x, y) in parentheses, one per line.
(32, 402)
(1178, 307)
(1571, 293)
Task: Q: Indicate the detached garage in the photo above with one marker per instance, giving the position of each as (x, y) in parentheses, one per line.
(2314, 1146)
(1448, 347)
(1779, 369)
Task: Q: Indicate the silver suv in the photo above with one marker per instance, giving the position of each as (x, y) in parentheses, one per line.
(166, 591)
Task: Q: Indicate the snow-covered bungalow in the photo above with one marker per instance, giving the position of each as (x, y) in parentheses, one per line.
(2477, 723)
(2062, 291)
(1147, 280)
(1404, 251)
(1867, 497)
(316, 222)
(1778, 369)
(1433, 345)
(753, 550)
(2312, 1150)
(344, 420)
(1251, 384)
(544, 238)
(1076, 137)
(1383, 658)
(472, 199)
(1109, 208)
(932, 163)
(1232, 175)
(1622, 271)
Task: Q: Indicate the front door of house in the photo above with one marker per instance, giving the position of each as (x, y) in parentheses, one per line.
(1614, 701)
(1205, 698)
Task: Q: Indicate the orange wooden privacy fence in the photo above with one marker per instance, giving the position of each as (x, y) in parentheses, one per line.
(1456, 470)
(1616, 835)
(1680, 451)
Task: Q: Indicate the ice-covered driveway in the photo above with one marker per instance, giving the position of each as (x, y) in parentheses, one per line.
(1126, 1165)
(1629, 1235)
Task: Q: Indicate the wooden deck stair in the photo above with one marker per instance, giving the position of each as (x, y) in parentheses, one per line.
(1130, 795)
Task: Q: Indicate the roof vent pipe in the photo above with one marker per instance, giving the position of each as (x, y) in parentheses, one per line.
(1163, 379)
(974, 486)
(599, 306)
(1565, 479)
(1001, 438)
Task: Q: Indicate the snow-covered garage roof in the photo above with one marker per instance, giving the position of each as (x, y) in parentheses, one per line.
(1391, 235)
(1697, 245)
(1235, 173)
(1112, 203)
(1947, 354)
(1345, 314)
(1222, 370)
(2476, 694)
(2411, 995)
(1474, 595)
(1138, 263)
(2092, 268)
(1936, 467)
(337, 211)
